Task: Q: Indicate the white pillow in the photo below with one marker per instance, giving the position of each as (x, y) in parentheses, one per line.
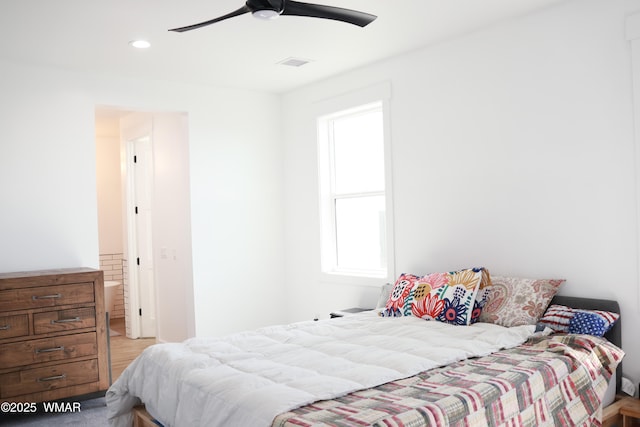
(384, 295)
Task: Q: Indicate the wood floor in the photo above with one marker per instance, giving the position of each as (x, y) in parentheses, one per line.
(123, 349)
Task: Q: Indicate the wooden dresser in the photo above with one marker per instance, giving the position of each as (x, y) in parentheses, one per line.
(53, 335)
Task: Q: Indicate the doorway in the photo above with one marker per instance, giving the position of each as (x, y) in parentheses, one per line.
(149, 170)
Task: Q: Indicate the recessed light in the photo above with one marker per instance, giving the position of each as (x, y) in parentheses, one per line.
(140, 44)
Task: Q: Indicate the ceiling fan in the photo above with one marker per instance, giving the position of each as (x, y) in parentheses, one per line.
(271, 9)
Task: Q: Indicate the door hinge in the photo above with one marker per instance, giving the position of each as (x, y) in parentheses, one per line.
(140, 311)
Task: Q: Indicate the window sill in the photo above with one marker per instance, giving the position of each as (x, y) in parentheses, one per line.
(353, 279)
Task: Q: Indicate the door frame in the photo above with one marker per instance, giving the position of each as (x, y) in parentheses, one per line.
(128, 136)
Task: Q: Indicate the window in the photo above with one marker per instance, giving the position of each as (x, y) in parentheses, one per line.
(355, 211)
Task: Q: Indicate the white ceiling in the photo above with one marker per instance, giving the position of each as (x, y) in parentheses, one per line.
(241, 52)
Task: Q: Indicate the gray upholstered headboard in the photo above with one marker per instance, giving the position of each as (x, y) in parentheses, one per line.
(614, 335)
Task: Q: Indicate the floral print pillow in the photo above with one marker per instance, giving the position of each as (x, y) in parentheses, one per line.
(514, 301)
(482, 296)
(444, 297)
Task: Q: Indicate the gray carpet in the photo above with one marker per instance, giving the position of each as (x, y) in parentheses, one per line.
(92, 413)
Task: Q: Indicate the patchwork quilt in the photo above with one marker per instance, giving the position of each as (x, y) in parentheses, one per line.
(549, 381)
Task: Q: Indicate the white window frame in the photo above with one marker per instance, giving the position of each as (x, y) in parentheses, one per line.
(355, 103)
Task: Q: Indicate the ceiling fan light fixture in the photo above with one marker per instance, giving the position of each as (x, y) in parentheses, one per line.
(266, 14)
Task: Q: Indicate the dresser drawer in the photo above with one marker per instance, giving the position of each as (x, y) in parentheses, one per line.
(46, 296)
(64, 320)
(14, 326)
(47, 349)
(48, 378)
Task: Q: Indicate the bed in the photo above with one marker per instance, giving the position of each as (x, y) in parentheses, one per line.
(388, 367)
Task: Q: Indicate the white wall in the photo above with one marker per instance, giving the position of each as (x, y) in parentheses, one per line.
(48, 173)
(172, 226)
(512, 149)
(109, 194)
(237, 215)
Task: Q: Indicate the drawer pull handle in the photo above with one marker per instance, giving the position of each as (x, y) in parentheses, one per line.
(49, 350)
(37, 297)
(70, 320)
(53, 378)
(5, 327)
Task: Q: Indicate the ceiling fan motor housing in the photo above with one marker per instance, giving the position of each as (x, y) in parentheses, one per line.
(272, 5)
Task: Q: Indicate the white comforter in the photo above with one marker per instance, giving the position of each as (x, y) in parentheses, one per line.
(247, 379)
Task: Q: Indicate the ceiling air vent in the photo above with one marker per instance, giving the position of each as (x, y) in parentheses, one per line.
(294, 62)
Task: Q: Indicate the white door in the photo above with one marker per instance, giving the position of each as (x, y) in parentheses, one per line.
(142, 259)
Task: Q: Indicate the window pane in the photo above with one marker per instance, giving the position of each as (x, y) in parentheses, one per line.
(359, 153)
(360, 233)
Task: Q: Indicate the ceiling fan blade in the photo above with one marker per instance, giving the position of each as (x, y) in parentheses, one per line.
(241, 11)
(354, 17)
